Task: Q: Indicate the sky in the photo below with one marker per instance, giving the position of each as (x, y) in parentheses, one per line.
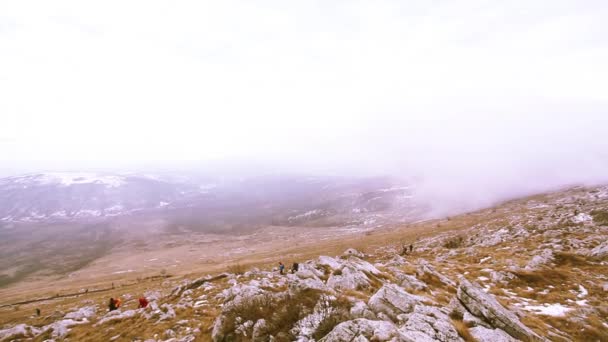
(494, 94)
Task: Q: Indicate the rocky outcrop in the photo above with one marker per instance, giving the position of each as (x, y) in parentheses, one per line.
(407, 281)
(485, 306)
(391, 301)
(428, 323)
(482, 334)
(352, 274)
(353, 252)
(348, 278)
(425, 268)
(18, 331)
(362, 329)
(544, 258)
(599, 252)
(116, 316)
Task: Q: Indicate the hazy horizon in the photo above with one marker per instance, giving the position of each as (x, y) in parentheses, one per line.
(478, 100)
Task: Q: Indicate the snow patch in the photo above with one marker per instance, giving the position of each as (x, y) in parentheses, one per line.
(556, 310)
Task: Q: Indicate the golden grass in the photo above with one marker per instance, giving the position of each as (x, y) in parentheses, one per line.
(463, 330)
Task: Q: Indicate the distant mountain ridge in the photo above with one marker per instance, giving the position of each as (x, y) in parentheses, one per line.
(204, 202)
(61, 196)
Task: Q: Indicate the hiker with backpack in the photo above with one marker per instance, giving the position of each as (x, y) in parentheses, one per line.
(143, 302)
(112, 305)
(281, 268)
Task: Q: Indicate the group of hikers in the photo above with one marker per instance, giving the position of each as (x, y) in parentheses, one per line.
(294, 267)
(404, 249)
(115, 303)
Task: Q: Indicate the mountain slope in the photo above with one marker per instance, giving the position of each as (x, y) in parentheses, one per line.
(533, 269)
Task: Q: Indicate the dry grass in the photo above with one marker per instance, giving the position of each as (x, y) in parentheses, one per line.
(600, 216)
(591, 329)
(339, 311)
(570, 270)
(540, 278)
(454, 242)
(236, 269)
(570, 260)
(463, 330)
(280, 312)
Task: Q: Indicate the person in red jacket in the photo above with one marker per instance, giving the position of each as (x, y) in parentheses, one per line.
(143, 302)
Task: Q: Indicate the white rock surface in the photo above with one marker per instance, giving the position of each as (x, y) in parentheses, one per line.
(362, 329)
(485, 305)
(483, 334)
(599, 252)
(392, 301)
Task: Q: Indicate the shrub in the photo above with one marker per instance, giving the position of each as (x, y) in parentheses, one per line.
(337, 311)
(454, 242)
(279, 312)
(463, 331)
(236, 269)
(600, 217)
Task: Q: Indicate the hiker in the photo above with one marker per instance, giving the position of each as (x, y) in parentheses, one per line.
(281, 268)
(37, 312)
(411, 248)
(117, 302)
(112, 304)
(295, 267)
(143, 302)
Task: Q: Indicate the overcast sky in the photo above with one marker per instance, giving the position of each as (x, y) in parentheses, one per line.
(490, 91)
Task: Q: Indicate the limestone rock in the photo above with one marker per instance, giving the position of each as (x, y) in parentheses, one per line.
(425, 268)
(545, 258)
(362, 329)
(483, 334)
(429, 323)
(599, 252)
(361, 310)
(392, 301)
(407, 281)
(348, 278)
(18, 331)
(485, 305)
(82, 313)
(353, 252)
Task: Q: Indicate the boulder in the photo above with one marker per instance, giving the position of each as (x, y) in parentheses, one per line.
(361, 310)
(428, 323)
(61, 328)
(353, 252)
(392, 301)
(18, 331)
(82, 313)
(329, 262)
(544, 258)
(362, 329)
(599, 252)
(484, 305)
(407, 281)
(483, 334)
(348, 278)
(473, 321)
(297, 284)
(116, 316)
(425, 268)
